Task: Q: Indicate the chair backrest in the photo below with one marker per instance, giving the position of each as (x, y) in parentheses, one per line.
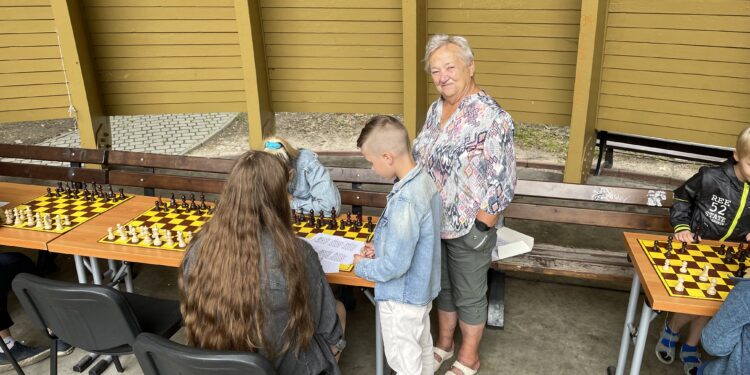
(92, 317)
(159, 356)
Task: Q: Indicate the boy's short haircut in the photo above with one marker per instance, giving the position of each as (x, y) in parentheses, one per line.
(385, 122)
(743, 143)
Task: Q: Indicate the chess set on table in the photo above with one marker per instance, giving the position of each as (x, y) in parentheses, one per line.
(69, 206)
(308, 225)
(697, 270)
(163, 226)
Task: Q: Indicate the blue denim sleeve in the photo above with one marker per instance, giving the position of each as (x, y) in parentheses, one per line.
(324, 194)
(395, 247)
(722, 333)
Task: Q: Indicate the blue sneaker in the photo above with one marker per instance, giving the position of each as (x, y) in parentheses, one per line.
(24, 355)
(63, 348)
(667, 345)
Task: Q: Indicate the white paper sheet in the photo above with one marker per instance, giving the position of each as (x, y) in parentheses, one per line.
(511, 243)
(3, 203)
(334, 250)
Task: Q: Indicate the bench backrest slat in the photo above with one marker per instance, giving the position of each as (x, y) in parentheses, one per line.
(170, 182)
(62, 154)
(48, 172)
(186, 163)
(586, 216)
(594, 193)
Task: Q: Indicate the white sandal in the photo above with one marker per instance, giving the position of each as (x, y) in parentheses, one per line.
(464, 369)
(443, 356)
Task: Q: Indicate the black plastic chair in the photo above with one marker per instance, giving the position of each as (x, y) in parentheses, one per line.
(95, 318)
(10, 357)
(159, 356)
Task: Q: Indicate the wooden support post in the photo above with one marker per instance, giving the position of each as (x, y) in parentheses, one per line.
(93, 124)
(260, 116)
(586, 91)
(414, 21)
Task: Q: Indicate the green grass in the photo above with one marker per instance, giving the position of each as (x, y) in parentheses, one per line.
(548, 138)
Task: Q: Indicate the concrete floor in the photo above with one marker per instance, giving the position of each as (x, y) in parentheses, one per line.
(551, 328)
(552, 325)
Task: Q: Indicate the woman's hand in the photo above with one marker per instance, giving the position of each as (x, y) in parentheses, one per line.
(486, 218)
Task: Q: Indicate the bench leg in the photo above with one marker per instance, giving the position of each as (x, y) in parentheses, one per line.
(609, 158)
(496, 296)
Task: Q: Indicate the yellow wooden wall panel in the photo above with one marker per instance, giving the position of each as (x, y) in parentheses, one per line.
(155, 26)
(323, 55)
(162, 39)
(157, 4)
(30, 91)
(673, 69)
(174, 98)
(116, 63)
(525, 51)
(190, 107)
(696, 81)
(207, 12)
(507, 4)
(170, 86)
(690, 37)
(32, 82)
(710, 7)
(169, 75)
(33, 114)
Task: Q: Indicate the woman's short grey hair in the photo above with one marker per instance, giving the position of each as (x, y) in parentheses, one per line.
(439, 40)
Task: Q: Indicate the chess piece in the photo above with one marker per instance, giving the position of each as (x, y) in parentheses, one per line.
(168, 237)
(712, 289)
(156, 239)
(683, 269)
(184, 203)
(349, 218)
(741, 270)
(66, 220)
(17, 220)
(722, 250)
(111, 193)
(680, 287)
(370, 227)
(359, 219)
(122, 194)
(341, 225)
(665, 267)
(123, 233)
(49, 192)
(134, 238)
(154, 231)
(172, 202)
(180, 240)
(8, 217)
(110, 234)
(333, 212)
(730, 256)
(47, 222)
(147, 239)
(157, 206)
(37, 221)
(704, 275)
(203, 201)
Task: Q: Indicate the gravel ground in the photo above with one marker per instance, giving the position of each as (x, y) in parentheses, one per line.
(339, 132)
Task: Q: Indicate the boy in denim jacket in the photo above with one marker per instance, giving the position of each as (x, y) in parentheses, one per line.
(404, 258)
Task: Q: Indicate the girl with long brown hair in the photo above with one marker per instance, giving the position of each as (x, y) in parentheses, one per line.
(248, 284)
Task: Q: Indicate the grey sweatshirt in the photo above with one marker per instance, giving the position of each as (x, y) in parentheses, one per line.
(727, 335)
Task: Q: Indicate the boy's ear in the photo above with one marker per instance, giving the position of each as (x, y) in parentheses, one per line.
(388, 157)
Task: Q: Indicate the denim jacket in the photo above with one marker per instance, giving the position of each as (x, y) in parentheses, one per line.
(406, 267)
(312, 187)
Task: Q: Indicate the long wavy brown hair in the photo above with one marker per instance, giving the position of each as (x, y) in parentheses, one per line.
(223, 303)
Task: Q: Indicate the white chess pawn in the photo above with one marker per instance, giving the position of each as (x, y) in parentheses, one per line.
(123, 234)
(38, 223)
(47, 222)
(680, 287)
(110, 234)
(8, 217)
(131, 230)
(66, 220)
(134, 238)
(154, 231)
(168, 237)
(704, 275)
(17, 220)
(712, 289)
(58, 222)
(683, 269)
(665, 268)
(157, 239)
(180, 239)
(147, 239)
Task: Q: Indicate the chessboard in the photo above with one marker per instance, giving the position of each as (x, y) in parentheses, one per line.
(167, 227)
(351, 227)
(63, 209)
(688, 262)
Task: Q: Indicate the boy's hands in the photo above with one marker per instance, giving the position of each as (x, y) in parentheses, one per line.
(747, 238)
(368, 251)
(685, 236)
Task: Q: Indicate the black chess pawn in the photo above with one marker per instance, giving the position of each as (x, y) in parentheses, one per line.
(684, 247)
(341, 225)
(741, 257)
(741, 270)
(172, 201)
(730, 256)
(111, 192)
(332, 223)
(370, 226)
(49, 192)
(157, 205)
(193, 206)
(359, 219)
(68, 192)
(203, 201)
(122, 193)
(349, 218)
(183, 201)
(722, 249)
(333, 212)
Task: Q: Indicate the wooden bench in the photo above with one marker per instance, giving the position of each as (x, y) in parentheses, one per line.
(608, 141)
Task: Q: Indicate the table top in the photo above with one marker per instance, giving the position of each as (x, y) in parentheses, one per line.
(655, 291)
(17, 194)
(84, 240)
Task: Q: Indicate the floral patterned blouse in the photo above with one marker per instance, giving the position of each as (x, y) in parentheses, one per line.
(471, 160)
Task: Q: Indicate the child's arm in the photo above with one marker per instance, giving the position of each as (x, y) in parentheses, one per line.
(682, 207)
(723, 332)
(393, 257)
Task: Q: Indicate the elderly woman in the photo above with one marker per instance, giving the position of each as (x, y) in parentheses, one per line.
(466, 145)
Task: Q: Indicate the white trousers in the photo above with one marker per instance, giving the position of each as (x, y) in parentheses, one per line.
(406, 337)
